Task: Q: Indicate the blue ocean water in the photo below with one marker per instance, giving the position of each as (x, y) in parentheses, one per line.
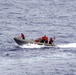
(36, 18)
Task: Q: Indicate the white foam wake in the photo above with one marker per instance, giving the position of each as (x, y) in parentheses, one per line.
(31, 46)
(70, 45)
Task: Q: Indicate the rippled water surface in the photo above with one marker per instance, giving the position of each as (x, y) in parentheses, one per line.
(36, 18)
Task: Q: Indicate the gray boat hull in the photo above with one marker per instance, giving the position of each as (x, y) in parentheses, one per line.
(21, 41)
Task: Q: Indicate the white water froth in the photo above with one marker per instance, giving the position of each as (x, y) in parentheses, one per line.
(70, 45)
(31, 46)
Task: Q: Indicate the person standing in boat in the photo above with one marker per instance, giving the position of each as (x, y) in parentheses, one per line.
(22, 36)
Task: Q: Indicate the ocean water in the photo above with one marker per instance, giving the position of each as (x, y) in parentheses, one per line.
(36, 18)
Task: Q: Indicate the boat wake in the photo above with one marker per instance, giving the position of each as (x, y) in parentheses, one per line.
(31, 46)
(70, 45)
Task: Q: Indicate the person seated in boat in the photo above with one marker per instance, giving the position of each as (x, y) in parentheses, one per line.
(51, 41)
(44, 39)
(22, 36)
(38, 40)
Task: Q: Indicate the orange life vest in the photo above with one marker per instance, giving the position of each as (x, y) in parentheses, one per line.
(45, 38)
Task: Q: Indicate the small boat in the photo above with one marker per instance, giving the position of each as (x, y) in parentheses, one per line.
(21, 41)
